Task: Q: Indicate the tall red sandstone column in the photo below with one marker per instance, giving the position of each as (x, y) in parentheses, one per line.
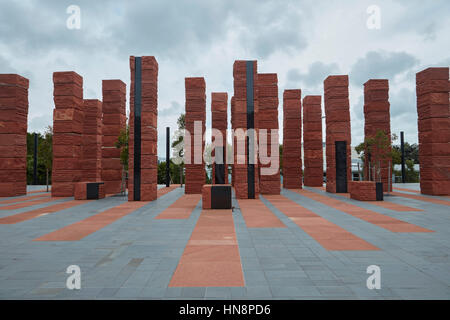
(292, 139)
(219, 101)
(114, 120)
(338, 135)
(92, 140)
(195, 112)
(68, 120)
(432, 89)
(13, 135)
(377, 117)
(312, 141)
(268, 120)
(244, 119)
(142, 161)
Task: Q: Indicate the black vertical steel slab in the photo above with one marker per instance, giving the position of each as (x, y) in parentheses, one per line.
(219, 168)
(35, 157)
(402, 147)
(167, 156)
(379, 191)
(250, 125)
(341, 166)
(137, 128)
(221, 197)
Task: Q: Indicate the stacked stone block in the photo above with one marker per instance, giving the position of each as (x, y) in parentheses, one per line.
(337, 116)
(242, 163)
(92, 140)
(268, 120)
(13, 135)
(312, 141)
(68, 117)
(377, 117)
(363, 190)
(195, 112)
(292, 139)
(114, 120)
(432, 89)
(146, 172)
(219, 101)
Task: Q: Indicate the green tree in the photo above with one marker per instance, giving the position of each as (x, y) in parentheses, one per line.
(379, 147)
(45, 157)
(411, 151)
(122, 144)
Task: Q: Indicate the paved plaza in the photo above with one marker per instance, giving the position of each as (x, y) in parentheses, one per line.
(303, 244)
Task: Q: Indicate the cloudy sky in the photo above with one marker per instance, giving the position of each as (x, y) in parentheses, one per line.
(302, 41)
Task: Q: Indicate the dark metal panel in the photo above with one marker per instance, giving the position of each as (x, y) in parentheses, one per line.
(219, 166)
(137, 128)
(341, 166)
(92, 191)
(220, 197)
(250, 125)
(379, 191)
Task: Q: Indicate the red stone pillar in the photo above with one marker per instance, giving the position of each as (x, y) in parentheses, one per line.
(432, 88)
(242, 169)
(292, 139)
(195, 111)
(92, 140)
(377, 117)
(312, 141)
(219, 101)
(13, 135)
(268, 119)
(114, 120)
(142, 178)
(68, 120)
(337, 113)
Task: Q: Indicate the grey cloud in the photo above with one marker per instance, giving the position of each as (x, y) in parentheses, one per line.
(317, 72)
(403, 102)
(174, 110)
(379, 64)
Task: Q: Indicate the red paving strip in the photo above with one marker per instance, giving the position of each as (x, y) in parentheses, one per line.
(29, 203)
(24, 216)
(211, 257)
(182, 208)
(422, 198)
(257, 215)
(165, 190)
(329, 235)
(85, 227)
(405, 189)
(370, 216)
(38, 191)
(385, 204)
(21, 199)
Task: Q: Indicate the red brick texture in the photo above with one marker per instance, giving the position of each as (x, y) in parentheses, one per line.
(195, 111)
(114, 120)
(268, 119)
(239, 121)
(432, 89)
(91, 163)
(219, 102)
(68, 119)
(292, 139)
(13, 135)
(312, 141)
(363, 190)
(337, 120)
(377, 117)
(206, 196)
(149, 133)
